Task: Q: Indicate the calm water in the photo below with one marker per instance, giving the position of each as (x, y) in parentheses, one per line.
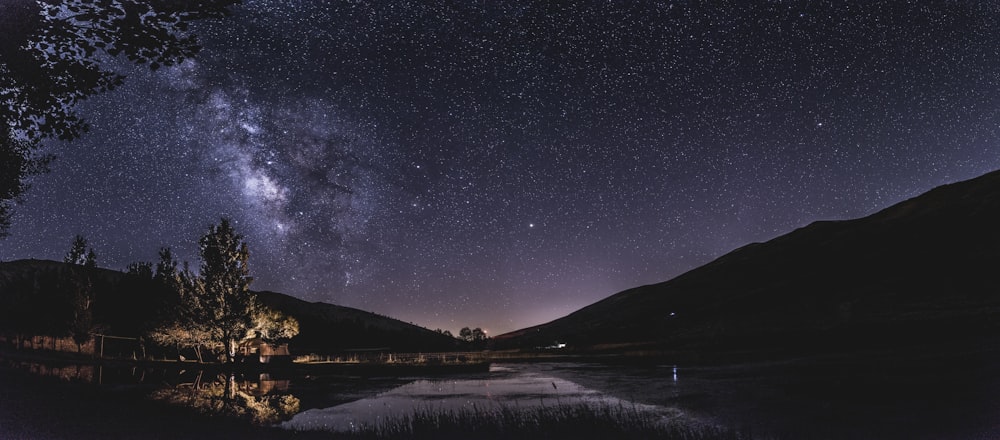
(506, 385)
(830, 399)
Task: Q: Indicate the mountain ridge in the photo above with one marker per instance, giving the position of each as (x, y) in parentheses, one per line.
(924, 260)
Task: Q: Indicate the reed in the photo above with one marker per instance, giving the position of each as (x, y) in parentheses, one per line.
(576, 421)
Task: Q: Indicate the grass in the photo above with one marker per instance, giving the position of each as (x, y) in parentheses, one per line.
(577, 421)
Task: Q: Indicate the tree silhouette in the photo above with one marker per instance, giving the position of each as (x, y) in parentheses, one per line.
(17, 161)
(140, 269)
(50, 60)
(478, 335)
(183, 319)
(465, 334)
(77, 251)
(80, 290)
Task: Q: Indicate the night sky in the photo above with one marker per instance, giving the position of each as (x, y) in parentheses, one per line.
(499, 164)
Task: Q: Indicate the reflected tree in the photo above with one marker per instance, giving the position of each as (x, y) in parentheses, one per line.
(227, 396)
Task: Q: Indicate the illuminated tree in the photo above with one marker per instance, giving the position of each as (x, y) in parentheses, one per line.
(272, 325)
(227, 305)
(216, 309)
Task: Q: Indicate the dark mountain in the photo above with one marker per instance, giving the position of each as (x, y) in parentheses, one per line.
(924, 271)
(327, 327)
(35, 298)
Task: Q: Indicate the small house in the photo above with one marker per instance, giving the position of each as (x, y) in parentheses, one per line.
(257, 350)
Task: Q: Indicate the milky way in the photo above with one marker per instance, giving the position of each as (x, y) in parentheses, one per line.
(499, 164)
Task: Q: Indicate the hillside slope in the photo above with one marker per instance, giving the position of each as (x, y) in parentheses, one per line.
(924, 270)
(34, 299)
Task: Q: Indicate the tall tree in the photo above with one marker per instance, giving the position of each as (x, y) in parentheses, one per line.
(80, 290)
(227, 301)
(183, 320)
(166, 268)
(50, 60)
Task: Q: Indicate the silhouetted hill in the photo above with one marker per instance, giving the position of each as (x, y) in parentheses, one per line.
(327, 327)
(34, 295)
(923, 271)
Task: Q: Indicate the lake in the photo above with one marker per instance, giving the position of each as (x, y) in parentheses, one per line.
(832, 398)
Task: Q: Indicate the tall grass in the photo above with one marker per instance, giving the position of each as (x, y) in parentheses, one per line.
(577, 421)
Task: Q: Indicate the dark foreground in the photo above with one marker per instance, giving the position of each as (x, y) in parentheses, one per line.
(926, 394)
(39, 408)
(44, 408)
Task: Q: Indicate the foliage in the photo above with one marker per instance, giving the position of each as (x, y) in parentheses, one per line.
(227, 306)
(272, 325)
(216, 309)
(50, 59)
(183, 322)
(474, 335)
(17, 161)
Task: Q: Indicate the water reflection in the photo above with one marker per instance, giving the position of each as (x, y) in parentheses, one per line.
(842, 399)
(503, 387)
(262, 401)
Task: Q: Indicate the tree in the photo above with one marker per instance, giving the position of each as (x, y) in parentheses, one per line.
(272, 325)
(80, 254)
(478, 335)
(140, 269)
(166, 268)
(82, 323)
(50, 60)
(216, 309)
(183, 321)
(81, 290)
(17, 161)
(226, 301)
(465, 334)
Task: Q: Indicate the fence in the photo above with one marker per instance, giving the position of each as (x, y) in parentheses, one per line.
(64, 344)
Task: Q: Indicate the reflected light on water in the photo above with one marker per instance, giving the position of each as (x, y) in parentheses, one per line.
(504, 388)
